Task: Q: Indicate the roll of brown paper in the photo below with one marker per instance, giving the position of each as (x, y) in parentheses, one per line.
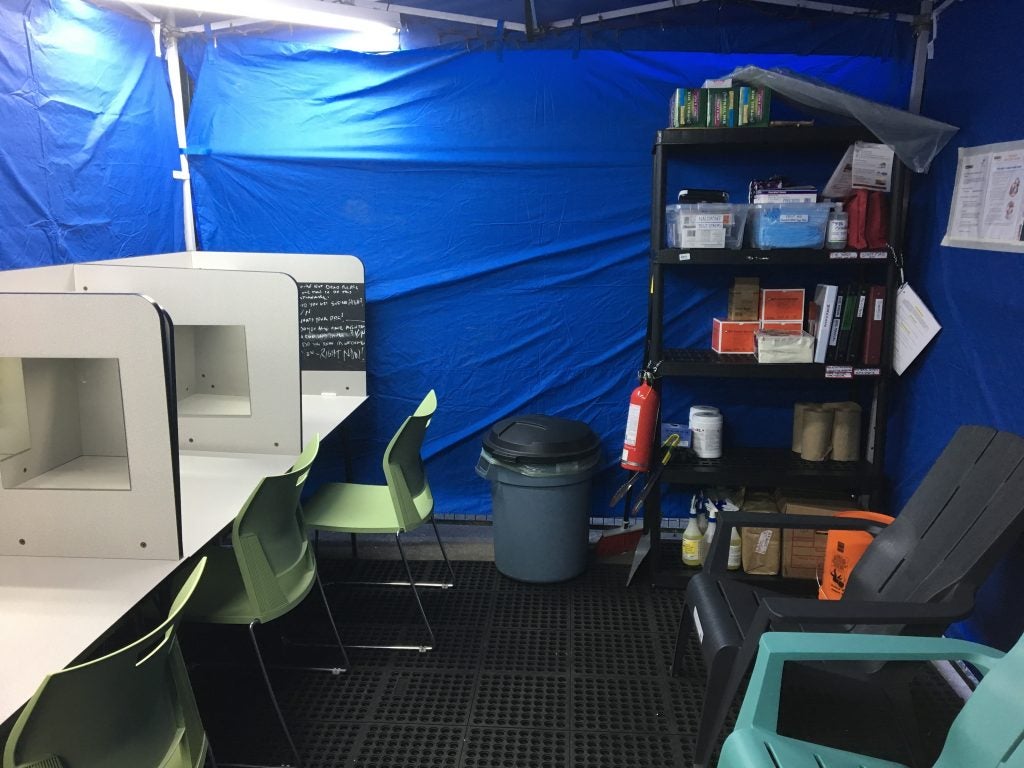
(798, 424)
(816, 438)
(846, 433)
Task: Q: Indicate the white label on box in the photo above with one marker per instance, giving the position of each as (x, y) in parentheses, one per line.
(684, 256)
(838, 371)
(843, 255)
(712, 218)
(874, 254)
(879, 304)
(763, 541)
(867, 371)
(794, 218)
(704, 238)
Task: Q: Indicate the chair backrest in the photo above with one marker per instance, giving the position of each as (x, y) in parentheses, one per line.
(270, 541)
(989, 731)
(403, 467)
(965, 515)
(129, 709)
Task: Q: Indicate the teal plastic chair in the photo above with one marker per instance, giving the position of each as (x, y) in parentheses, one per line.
(401, 505)
(268, 570)
(988, 732)
(132, 708)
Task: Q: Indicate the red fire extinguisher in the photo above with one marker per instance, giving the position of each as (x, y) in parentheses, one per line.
(640, 424)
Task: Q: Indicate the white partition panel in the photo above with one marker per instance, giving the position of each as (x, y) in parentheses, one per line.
(88, 466)
(310, 271)
(237, 354)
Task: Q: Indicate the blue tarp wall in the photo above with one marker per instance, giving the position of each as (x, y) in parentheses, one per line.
(971, 372)
(500, 199)
(87, 140)
(499, 196)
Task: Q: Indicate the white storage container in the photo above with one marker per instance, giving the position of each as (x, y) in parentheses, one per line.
(705, 225)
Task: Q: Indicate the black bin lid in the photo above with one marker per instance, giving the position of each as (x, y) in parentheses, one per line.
(537, 439)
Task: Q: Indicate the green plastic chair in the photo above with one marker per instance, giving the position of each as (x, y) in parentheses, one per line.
(132, 708)
(988, 732)
(401, 505)
(268, 570)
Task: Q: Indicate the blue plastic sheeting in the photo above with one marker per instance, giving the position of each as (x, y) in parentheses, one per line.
(88, 137)
(971, 372)
(706, 27)
(500, 202)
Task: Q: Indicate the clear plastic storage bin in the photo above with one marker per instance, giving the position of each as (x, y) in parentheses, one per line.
(789, 225)
(705, 225)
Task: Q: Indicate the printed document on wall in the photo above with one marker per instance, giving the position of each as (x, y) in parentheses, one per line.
(987, 210)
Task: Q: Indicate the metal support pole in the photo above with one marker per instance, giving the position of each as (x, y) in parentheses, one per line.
(182, 174)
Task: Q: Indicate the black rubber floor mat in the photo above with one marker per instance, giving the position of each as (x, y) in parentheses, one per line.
(501, 747)
(522, 676)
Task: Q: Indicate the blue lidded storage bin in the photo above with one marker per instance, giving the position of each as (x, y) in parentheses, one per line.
(789, 225)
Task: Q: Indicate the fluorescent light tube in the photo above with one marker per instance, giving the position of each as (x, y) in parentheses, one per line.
(310, 13)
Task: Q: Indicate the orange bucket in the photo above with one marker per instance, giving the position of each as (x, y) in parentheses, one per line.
(842, 551)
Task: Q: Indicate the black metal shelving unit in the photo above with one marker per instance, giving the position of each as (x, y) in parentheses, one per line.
(777, 467)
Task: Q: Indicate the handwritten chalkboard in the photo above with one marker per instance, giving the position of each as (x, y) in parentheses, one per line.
(332, 327)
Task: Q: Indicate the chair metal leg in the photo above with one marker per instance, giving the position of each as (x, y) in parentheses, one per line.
(273, 697)
(444, 554)
(415, 592)
(209, 755)
(334, 627)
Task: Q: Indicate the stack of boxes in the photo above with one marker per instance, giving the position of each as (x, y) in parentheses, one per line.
(719, 104)
(752, 308)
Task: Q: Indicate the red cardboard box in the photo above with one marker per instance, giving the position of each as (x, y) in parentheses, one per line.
(733, 337)
(786, 304)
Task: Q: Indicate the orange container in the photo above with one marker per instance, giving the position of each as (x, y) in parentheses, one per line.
(786, 304)
(782, 325)
(733, 336)
(842, 551)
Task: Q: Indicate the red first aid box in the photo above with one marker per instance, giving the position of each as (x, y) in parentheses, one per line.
(786, 304)
(733, 337)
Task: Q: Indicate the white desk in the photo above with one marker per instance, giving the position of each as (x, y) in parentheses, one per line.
(53, 608)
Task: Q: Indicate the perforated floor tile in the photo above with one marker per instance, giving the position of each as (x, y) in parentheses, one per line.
(501, 747)
(408, 746)
(615, 653)
(460, 607)
(594, 611)
(533, 608)
(526, 651)
(351, 696)
(601, 703)
(524, 701)
(630, 750)
(441, 698)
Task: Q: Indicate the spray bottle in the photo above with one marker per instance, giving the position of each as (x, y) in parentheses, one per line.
(692, 538)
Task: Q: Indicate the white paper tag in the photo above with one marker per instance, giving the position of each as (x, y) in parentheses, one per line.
(915, 327)
(763, 541)
(793, 218)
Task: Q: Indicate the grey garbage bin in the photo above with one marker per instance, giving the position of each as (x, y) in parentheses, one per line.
(539, 468)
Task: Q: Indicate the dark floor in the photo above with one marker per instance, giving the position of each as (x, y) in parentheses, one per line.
(523, 676)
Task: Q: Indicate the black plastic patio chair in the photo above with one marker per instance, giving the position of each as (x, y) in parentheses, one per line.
(918, 575)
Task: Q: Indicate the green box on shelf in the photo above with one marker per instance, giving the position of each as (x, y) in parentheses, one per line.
(687, 108)
(753, 105)
(721, 107)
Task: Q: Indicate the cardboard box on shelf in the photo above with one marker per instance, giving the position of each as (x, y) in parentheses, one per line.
(760, 547)
(782, 304)
(782, 325)
(803, 551)
(729, 337)
(745, 299)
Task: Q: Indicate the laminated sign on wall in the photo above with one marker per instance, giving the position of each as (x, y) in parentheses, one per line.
(988, 198)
